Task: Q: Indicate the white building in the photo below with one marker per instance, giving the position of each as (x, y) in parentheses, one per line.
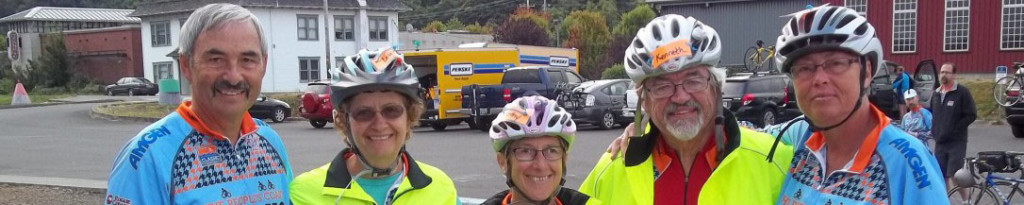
(294, 33)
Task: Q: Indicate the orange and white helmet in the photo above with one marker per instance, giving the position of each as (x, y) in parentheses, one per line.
(671, 43)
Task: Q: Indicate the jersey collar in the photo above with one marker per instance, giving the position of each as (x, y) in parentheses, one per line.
(867, 148)
(185, 110)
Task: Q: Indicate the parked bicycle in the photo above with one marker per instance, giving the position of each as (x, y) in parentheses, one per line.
(1007, 90)
(995, 189)
(757, 56)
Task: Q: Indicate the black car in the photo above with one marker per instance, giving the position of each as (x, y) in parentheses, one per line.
(762, 99)
(132, 86)
(600, 102)
(882, 95)
(1015, 113)
(274, 109)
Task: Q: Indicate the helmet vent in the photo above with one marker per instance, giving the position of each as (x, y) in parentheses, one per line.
(637, 43)
(846, 20)
(675, 28)
(514, 126)
(656, 32)
(555, 120)
(861, 29)
(807, 22)
(495, 129)
(826, 17)
(644, 57)
(711, 44)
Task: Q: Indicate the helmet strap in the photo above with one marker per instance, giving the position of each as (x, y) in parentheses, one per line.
(719, 129)
(860, 100)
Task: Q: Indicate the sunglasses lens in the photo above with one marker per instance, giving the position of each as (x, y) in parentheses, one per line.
(392, 112)
(364, 115)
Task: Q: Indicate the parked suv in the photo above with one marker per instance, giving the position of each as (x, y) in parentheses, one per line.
(600, 102)
(883, 96)
(1014, 113)
(316, 104)
(132, 86)
(762, 99)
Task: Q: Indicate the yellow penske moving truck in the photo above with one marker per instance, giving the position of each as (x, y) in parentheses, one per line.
(443, 72)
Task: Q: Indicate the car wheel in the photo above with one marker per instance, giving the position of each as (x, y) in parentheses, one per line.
(1018, 130)
(768, 117)
(279, 115)
(472, 124)
(110, 92)
(438, 126)
(318, 123)
(484, 124)
(131, 92)
(607, 121)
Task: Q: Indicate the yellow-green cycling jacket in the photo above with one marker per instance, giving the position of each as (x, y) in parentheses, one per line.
(423, 184)
(744, 176)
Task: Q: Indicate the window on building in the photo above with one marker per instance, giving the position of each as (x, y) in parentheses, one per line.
(309, 69)
(308, 27)
(1011, 36)
(957, 25)
(160, 33)
(344, 28)
(904, 24)
(378, 28)
(163, 70)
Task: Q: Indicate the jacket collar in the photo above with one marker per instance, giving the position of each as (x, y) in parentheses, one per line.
(339, 177)
(639, 149)
(185, 110)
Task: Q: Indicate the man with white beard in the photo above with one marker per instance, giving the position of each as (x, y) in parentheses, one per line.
(694, 151)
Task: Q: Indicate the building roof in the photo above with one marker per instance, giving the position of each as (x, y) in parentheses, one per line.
(72, 14)
(151, 8)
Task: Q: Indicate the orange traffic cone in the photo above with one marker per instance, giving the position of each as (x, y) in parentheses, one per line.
(20, 96)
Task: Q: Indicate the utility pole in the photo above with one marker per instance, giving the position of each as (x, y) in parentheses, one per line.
(327, 40)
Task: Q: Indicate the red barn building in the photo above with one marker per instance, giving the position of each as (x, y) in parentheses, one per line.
(976, 35)
(106, 54)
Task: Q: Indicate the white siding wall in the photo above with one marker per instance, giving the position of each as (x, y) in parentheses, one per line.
(283, 46)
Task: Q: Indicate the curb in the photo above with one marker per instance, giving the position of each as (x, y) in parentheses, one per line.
(90, 185)
(95, 113)
(56, 102)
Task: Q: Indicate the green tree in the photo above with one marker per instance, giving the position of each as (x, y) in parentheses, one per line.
(521, 31)
(588, 32)
(632, 21)
(607, 8)
(454, 24)
(617, 71)
(477, 28)
(435, 26)
(53, 68)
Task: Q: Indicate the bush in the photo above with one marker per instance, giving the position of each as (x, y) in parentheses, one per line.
(454, 24)
(6, 86)
(434, 27)
(617, 71)
(478, 29)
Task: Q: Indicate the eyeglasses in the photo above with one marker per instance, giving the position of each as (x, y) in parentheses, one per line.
(528, 154)
(833, 66)
(389, 112)
(662, 88)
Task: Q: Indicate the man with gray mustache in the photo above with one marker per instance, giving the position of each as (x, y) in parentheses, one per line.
(209, 151)
(694, 152)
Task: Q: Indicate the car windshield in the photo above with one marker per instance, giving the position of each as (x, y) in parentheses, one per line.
(521, 76)
(733, 88)
(318, 89)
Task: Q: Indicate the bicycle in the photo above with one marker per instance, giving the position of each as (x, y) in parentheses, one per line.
(756, 56)
(989, 192)
(1007, 90)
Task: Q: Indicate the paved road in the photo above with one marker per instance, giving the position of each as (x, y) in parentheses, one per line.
(63, 141)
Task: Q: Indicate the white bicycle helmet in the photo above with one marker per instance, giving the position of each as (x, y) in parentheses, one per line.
(672, 43)
(827, 28)
(531, 116)
(382, 69)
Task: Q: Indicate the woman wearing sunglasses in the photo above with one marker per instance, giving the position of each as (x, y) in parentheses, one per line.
(376, 102)
(532, 137)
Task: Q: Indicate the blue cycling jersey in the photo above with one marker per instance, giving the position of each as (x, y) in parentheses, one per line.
(177, 160)
(918, 123)
(890, 167)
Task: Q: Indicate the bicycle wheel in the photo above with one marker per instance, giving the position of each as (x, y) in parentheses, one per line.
(999, 91)
(975, 195)
(1013, 192)
(750, 58)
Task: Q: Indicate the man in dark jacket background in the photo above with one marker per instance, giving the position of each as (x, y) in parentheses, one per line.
(953, 110)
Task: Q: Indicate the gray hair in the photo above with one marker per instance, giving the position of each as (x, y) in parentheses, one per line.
(212, 16)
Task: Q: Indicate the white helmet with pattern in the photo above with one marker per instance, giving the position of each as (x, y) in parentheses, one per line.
(827, 28)
(531, 116)
(672, 43)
